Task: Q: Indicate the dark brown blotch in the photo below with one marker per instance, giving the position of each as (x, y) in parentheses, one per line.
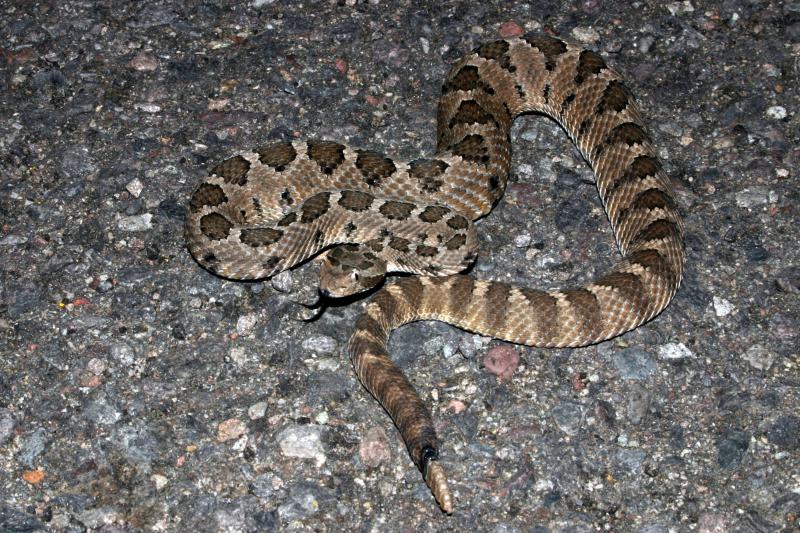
(423, 250)
(270, 263)
(472, 148)
(461, 292)
(639, 169)
(286, 197)
(543, 309)
(589, 65)
(278, 156)
(550, 47)
(400, 244)
(629, 285)
(233, 170)
(456, 241)
(376, 245)
(652, 198)
(655, 263)
(256, 237)
(396, 210)
(496, 51)
(458, 222)
(207, 194)
(427, 172)
(584, 126)
(433, 213)
(628, 133)
(587, 309)
(659, 229)
(349, 228)
(566, 102)
(496, 309)
(466, 79)
(315, 207)
(616, 98)
(327, 154)
(374, 167)
(471, 112)
(356, 201)
(290, 218)
(215, 226)
(209, 259)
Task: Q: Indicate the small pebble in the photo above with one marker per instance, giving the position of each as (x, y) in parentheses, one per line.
(135, 187)
(136, 222)
(230, 429)
(633, 364)
(752, 197)
(759, 357)
(31, 446)
(722, 307)
(257, 410)
(159, 481)
(246, 323)
(238, 355)
(13, 240)
(777, 112)
(7, 425)
(585, 35)
(319, 344)
(510, 29)
(568, 416)
(143, 62)
(374, 448)
(122, 353)
(304, 441)
(502, 361)
(522, 240)
(674, 351)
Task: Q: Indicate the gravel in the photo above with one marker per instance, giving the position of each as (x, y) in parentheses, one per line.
(141, 393)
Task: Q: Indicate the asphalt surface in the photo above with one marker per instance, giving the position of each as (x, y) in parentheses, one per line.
(140, 393)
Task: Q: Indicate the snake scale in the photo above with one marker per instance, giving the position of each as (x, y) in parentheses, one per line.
(263, 211)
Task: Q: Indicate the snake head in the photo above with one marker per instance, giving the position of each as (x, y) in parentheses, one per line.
(349, 269)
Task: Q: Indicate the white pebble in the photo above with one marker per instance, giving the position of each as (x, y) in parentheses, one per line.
(136, 222)
(759, 357)
(674, 351)
(319, 344)
(135, 187)
(246, 323)
(148, 108)
(723, 307)
(159, 481)
(238, 355)
(304, 442)
(522, 240)
(585, 35)
(777, 112)
(257, 410)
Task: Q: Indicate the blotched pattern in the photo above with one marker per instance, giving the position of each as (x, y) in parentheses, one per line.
(263, 211)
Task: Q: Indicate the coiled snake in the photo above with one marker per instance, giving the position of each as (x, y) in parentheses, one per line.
(263, 211)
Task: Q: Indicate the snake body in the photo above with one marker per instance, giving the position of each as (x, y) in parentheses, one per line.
(247, 219)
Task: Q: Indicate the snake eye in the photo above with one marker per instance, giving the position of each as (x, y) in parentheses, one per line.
(354, 276)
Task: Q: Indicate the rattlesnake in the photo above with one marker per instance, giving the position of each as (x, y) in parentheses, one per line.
(247, 219)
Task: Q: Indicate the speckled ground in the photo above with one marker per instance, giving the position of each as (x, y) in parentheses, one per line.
(139, 392)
